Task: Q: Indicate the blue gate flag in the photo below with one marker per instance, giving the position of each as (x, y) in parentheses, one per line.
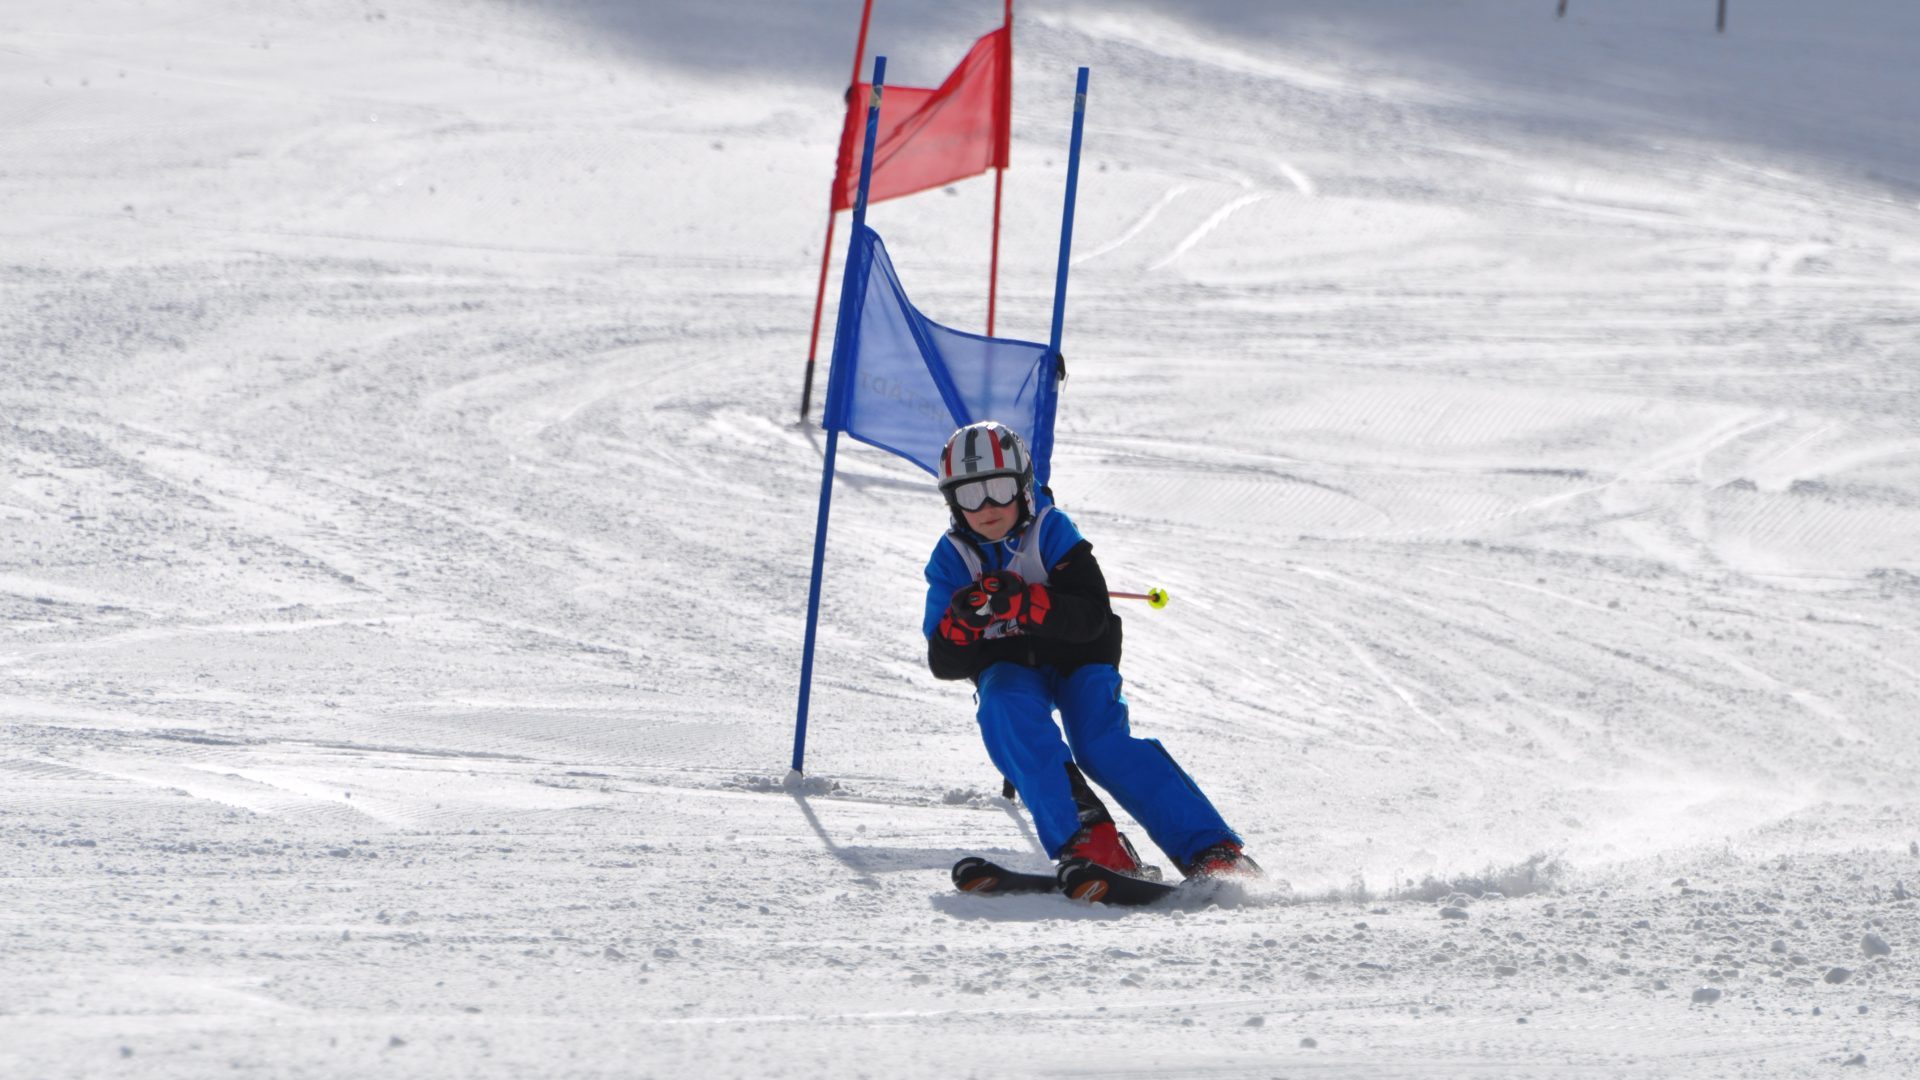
(903, 382)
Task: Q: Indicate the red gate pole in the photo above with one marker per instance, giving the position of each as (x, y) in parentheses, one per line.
(826, 255)
(819, 299)
(1005, 137)
(993, 273)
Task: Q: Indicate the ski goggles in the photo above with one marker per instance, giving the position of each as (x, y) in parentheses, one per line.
(995, 490)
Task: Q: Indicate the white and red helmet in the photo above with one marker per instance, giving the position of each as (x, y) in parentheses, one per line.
(986, 462)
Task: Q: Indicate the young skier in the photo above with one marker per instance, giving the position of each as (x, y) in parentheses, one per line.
(1017, 603)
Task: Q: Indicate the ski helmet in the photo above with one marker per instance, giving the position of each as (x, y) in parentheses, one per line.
(974, 458)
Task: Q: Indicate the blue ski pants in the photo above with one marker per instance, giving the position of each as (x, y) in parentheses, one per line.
(1016, 706)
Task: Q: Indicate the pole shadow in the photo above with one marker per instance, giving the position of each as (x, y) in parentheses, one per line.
(852, 860)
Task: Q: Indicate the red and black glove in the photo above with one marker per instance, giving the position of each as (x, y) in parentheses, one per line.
(1030, 607)
(999, 596)
(968, 614)
(1035, 603)
(1001, 593)
(1012, 600)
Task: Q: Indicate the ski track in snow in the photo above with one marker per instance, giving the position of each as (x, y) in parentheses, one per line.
(1136, 228)
(1218, 218)
(404, 532)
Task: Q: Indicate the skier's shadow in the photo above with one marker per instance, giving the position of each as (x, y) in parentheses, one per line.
(1030, 908)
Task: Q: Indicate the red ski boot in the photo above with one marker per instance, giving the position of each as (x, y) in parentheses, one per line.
(1224, 859)
(1105, 845)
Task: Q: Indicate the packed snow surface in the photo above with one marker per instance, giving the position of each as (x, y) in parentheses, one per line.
(405, 524)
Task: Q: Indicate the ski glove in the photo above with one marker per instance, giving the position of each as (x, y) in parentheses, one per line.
(1012, 600)
(968, 614)
(954, 632)
(1030, 607)
(1002, 592)
(971, 606)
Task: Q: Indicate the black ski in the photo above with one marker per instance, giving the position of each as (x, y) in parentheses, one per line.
(976, 875)
(1095, 884)
(1078, 879)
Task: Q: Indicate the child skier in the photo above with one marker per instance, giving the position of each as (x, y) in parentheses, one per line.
(1017, 603)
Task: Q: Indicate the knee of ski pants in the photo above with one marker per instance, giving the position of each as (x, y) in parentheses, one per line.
(1010, 692)
(1093, 709)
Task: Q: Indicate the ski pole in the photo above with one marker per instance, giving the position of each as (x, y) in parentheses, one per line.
(1155, 597)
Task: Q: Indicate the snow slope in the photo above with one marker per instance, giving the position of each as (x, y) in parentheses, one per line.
(404, 533)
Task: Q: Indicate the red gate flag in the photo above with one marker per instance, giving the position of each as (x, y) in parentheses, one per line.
(932, 137)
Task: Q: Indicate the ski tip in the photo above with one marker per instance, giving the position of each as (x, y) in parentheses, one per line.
(1089, 892)
(984, 877)
(1096, 884)
(1080, 882)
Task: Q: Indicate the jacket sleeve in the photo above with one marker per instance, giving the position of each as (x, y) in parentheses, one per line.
(1078, 606)
(945, 573)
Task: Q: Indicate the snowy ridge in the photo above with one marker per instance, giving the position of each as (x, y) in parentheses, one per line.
(404, 532)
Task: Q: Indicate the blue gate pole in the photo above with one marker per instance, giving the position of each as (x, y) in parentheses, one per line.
(1066, 248)
(845, 331)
